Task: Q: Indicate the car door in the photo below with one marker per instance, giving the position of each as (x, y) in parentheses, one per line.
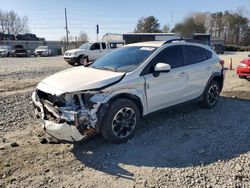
(167, 88)
(104, 49)
(197, 68)
(95, 51)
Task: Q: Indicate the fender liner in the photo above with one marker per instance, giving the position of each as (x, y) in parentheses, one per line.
(213, 76)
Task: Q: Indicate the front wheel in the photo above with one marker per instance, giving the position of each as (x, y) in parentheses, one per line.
(83, 61)
(120, 121)
(211, 94)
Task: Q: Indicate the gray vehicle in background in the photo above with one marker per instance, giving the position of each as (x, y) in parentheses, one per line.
(5, 51)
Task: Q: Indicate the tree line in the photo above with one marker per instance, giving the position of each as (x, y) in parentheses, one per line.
(232, 27)
(12, 23)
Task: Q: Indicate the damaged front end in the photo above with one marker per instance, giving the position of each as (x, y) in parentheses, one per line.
(70, 116)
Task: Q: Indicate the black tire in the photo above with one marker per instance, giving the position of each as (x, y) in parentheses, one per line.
(242, 77)
(70, 63)
(120, 121)
(211, 95)
(83, 60)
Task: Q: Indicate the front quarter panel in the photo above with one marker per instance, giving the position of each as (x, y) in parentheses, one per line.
(129, 85)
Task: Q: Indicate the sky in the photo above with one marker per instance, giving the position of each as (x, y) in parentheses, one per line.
(46, 17)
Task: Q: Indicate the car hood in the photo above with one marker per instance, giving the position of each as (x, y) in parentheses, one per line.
(75, 50)
(78, 79)
(41, 50)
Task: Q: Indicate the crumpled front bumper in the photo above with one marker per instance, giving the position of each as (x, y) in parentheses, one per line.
(60, 131)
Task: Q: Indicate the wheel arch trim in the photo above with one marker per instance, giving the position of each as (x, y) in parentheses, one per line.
(215, 76)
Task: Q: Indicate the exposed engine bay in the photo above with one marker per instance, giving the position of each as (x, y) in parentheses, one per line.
(69, 112)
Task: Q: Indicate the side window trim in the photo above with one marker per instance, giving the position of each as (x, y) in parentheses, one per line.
(146, 69)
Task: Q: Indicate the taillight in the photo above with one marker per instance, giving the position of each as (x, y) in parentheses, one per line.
(222, 62)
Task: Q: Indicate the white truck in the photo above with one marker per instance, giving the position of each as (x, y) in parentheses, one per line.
(90, 51)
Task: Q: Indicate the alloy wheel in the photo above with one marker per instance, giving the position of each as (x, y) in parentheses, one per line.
(124, 122)
(213, 94)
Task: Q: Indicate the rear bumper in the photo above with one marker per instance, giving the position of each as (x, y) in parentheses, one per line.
(243, 71)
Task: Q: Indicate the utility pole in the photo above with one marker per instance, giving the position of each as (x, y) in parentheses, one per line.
(97, 31)
(67, 31)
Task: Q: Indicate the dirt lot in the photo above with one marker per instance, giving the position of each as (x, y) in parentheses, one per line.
(188, 146)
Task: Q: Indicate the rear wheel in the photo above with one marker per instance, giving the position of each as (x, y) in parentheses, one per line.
(120, 121)
(211, 94)
(242, 77)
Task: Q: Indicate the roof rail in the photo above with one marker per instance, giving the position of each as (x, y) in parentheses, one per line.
(182, 39)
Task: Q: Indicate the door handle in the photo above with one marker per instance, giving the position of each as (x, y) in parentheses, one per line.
(183, 74)
(209, 68)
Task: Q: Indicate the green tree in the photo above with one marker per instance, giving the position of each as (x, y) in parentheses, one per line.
(148, 25)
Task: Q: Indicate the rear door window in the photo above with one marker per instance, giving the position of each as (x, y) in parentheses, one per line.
(206, 54)
(103, 46)
(192, 54)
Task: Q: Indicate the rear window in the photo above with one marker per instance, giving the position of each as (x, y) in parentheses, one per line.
(192, 55)
(207, 54)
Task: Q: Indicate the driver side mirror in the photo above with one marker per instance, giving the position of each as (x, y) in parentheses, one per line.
(162, 67)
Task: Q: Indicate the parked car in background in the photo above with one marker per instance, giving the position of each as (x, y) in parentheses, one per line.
(219, 48)
(6, 36)
(243, 68)
(90, 51)
(20, 51)
(5, 51)
(43, 51)
(113, 94)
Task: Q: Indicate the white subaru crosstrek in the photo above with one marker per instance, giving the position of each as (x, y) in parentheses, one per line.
(116, 91)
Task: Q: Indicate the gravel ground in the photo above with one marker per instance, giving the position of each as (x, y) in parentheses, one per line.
(184, 147)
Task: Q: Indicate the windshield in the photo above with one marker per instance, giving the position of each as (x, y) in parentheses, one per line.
(3, 47)
(125, 59)
(85, 46)
(42, 47)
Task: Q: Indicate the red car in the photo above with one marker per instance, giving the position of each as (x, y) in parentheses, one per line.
(243, 68)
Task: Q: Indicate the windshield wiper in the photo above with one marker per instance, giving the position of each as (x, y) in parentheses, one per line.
(106, 68)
